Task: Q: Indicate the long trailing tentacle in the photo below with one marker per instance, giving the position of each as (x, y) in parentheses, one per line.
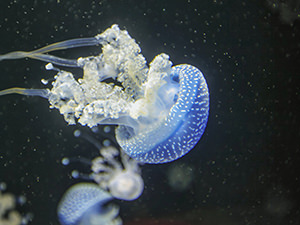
(73, 43)
(23, 91)
(40, 53)
(55, 60)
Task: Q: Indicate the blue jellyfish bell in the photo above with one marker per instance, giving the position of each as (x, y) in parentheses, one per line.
(83, 204)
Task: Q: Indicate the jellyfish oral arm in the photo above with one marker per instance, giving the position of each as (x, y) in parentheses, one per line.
(93, 102)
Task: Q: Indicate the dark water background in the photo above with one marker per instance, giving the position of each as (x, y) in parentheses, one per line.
(245, 168)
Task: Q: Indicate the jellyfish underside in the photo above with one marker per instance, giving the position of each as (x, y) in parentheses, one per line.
(161, 110)
(114, 171)
(121, 178)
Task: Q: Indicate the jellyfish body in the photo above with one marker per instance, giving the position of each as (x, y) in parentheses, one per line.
(113, 170)
(180, 130)
(83, 204)
(161, 110)
(122, 179)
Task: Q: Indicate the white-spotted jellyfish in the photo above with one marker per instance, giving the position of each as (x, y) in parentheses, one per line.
(122, 180)
(114, 171)
(85, 204)
(161, 110)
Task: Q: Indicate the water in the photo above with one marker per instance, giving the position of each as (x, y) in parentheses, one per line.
(244, 168)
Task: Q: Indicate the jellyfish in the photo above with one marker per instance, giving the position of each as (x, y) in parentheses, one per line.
(114, 171)
(84, 204)
(180, 177)
(160, 110)
(8, 214)
(122, 180)
(7, 204)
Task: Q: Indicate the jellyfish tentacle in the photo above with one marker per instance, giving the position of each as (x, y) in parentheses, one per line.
(38, 53)
(129, 163)
(55, 60)
(72, 43)
(98, 166)
(23, 91)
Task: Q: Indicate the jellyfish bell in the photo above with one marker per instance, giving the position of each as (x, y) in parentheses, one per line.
(161, 110)
(84, 204)
(179, 131)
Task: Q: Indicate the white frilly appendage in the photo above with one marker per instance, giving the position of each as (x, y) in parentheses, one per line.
(135, 104)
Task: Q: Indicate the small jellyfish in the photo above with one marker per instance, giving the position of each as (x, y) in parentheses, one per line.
(84, 204)
(161, 110)
(180, 176)
(122, 180)
(114, 171)
(8, 214)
